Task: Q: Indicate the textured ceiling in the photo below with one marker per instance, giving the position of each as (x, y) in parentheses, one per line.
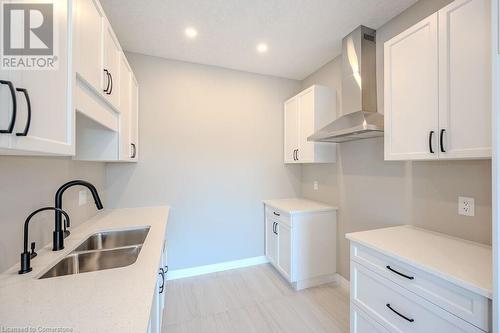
(302, 35)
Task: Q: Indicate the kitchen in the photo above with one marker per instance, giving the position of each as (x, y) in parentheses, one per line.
(195, 121)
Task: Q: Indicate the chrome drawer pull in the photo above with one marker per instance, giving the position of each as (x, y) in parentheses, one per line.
(398, 273)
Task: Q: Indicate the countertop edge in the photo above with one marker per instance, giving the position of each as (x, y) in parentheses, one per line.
(323, 207)
(452, 279)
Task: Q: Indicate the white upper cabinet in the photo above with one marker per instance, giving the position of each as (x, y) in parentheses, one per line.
(88, 42)
(437, 86)
(8, 105)
(411, 92)
(134, 120)
(111, 62)
(128, 112)
(106, 92)
(465, 80)
(304, 114)
(291, 129)
(38, 106)
(43, 121)
(125, 108)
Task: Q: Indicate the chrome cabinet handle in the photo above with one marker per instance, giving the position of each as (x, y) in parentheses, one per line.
(10, 128)
(28, 119)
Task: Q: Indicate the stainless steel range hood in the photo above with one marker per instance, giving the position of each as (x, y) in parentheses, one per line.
(359, 92)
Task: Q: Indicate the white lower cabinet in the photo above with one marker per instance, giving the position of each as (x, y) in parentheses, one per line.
(391, 296)
(301, 243)
(361, 322)
(158, 305)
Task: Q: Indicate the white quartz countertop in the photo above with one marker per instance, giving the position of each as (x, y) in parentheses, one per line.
(113, 300)
(465, 263)
(296, 205)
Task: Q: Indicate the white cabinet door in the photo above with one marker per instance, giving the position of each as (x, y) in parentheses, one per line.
(285, 250)
(44, 121)
(134, 120)
(154, 318)
(111, 73)
(465, 80)
(88, 43)
(8, 99)
(125, 108)
(306, 126)
(291, 130)
(411, 93)
(305, 114)
(271, 240)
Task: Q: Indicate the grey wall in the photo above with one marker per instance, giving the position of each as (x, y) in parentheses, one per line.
(211, 147)
(29, 183)
(372, 193)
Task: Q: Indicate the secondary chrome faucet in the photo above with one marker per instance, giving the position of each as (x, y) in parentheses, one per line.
(58, 239)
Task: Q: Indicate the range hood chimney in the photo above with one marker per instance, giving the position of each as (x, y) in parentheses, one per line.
(360, 118)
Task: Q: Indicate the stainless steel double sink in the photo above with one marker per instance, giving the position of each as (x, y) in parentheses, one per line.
(100, 251)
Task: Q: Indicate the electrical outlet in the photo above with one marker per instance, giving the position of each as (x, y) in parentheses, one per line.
(82, 197)
(466, 206)
(316, 185)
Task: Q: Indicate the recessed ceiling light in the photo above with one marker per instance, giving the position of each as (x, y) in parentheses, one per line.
(191, 32)
(262, 48)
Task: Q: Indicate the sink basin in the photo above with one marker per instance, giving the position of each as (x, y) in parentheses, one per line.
(114, 239)
(102, 250)
(82, 262)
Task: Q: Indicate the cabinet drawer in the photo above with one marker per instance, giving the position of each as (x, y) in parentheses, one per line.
(363, 323)
(274, 213)
(467, 305)
(399, 309)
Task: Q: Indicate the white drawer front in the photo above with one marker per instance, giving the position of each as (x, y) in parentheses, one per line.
(362, 323)
(274, 213)
(463, 303)
(388, 302)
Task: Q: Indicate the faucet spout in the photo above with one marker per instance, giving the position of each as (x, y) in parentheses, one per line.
(26, 256)
(58, 241)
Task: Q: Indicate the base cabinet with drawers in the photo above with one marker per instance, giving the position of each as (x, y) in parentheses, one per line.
(300, 238)
(401, 291)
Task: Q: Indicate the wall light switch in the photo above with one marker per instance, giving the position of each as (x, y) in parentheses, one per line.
(316, 185)
(82, 197)
(466, 206)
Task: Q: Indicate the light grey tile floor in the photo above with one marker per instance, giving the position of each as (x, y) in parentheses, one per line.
(253, 299)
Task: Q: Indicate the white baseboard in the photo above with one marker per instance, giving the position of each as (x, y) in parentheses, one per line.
(223, 266)
(342, 282)
(313, 282)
